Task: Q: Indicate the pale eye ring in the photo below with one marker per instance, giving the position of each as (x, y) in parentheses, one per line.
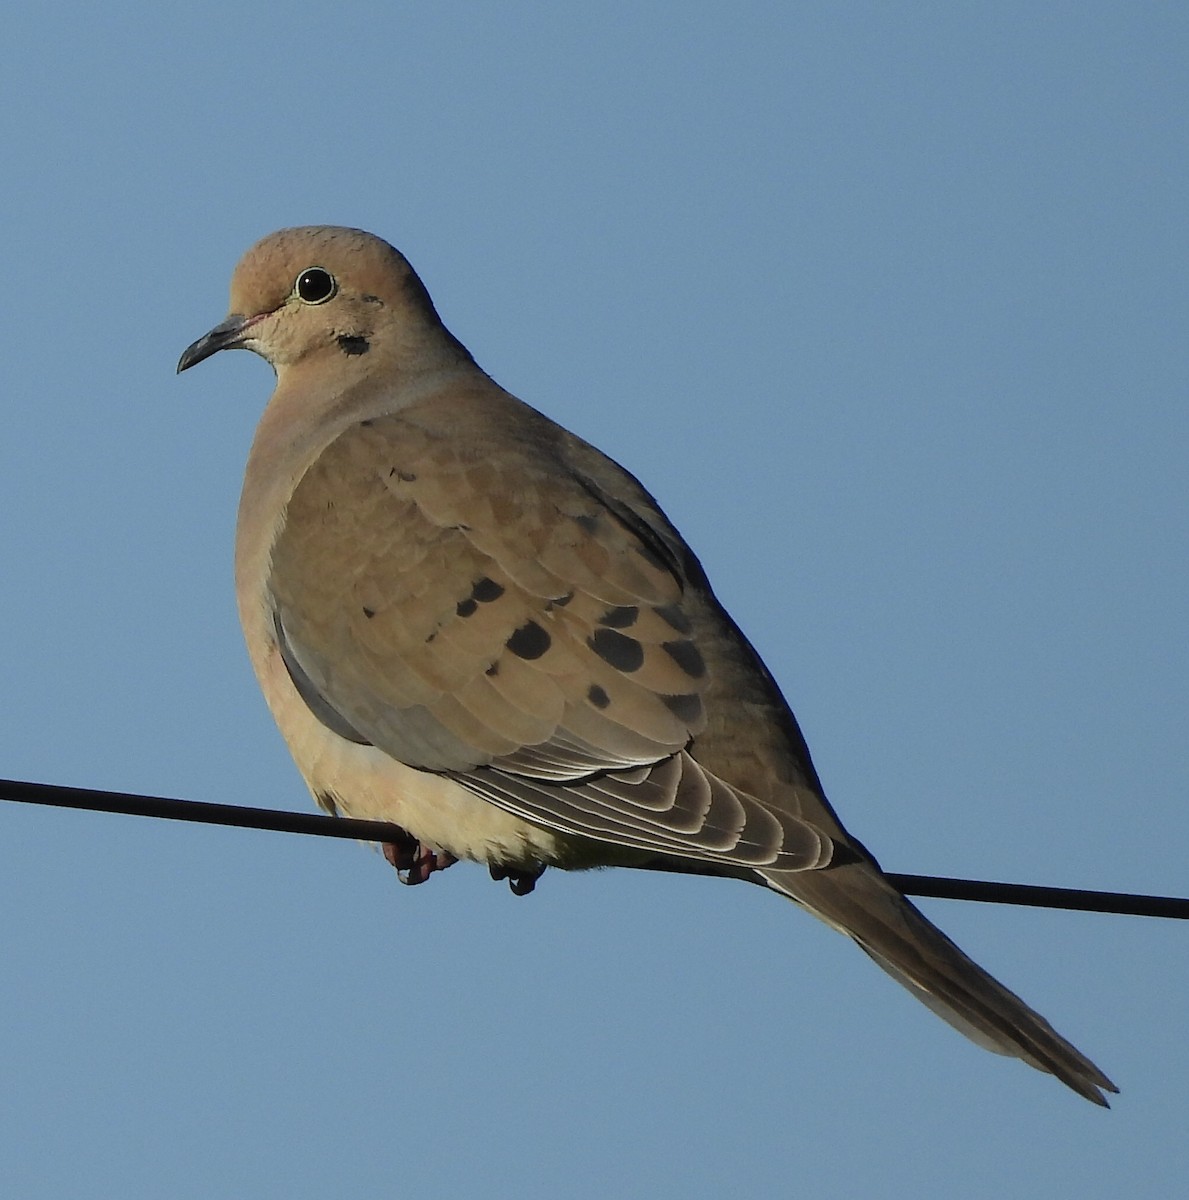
(315, 285)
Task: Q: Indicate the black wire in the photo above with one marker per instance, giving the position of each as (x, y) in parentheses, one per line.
(1035, 896)
(206, 813)
(201, 811)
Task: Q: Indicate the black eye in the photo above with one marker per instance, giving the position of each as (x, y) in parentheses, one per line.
(315, 285)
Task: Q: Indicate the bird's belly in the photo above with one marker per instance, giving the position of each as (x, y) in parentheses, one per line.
(364, 782)
(432, 808)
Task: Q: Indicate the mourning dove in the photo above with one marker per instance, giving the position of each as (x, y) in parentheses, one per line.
(469, 622)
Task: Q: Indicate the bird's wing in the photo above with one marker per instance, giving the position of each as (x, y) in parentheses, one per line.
(478, 608)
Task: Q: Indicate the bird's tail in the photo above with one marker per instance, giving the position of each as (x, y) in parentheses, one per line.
(858, 900)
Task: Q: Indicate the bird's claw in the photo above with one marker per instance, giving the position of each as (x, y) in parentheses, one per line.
(520, 881)
(414, 861)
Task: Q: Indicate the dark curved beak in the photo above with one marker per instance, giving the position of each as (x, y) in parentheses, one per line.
(227, 335)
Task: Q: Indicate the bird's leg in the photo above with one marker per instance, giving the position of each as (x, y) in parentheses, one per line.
(415, 862)
(520, 881)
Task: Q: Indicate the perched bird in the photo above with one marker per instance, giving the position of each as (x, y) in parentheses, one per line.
(469, 622)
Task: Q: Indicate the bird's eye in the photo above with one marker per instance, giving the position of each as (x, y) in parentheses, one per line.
(315, 285)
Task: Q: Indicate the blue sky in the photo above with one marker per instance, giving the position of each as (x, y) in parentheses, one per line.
(887, 305)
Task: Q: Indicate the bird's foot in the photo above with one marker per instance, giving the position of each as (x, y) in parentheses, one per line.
(520, 881)
(414, 861)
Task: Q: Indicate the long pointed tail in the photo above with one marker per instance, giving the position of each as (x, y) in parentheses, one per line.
(858, 900)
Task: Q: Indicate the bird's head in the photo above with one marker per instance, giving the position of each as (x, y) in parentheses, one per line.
(330, 292)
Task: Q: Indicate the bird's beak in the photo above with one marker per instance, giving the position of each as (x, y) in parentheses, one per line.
(227, 335)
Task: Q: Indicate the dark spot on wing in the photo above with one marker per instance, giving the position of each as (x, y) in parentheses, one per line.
(466, 608)
(486, 590)
(674, 616)
(403, 476)
(352, 344)
(529, 641)
(687, 656)
(589, 522)
(494, 669)
(687, 708)
(366, 424)
(617, 649)
(597, 696)
(621, 617)
(561, 601)
(368, 612)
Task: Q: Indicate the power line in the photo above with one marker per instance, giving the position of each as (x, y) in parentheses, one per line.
(200, 811)
(1036, 896)
(206, 813)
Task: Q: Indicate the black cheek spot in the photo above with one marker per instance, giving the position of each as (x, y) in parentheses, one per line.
(687, 656)
(674, 616)
(529, 641)
(486, 590)
(686, 708)
(620, 618)
(597, 696)
(352, 345)
(616, 649)
(466, 608)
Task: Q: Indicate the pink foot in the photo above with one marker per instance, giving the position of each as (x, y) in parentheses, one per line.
(415, 862)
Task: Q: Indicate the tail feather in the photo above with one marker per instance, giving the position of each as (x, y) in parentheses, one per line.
(858, 900)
